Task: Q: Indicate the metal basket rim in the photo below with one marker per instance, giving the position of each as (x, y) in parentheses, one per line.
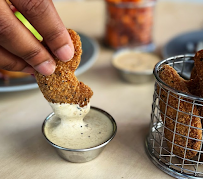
(164, 85)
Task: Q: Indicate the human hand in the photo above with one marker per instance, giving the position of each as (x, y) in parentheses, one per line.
(20, 50)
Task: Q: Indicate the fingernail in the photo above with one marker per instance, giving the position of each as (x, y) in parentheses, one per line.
(65, 53)
(28, 69)
(46, 68)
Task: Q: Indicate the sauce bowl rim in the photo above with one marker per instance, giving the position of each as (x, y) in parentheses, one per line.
(85, 149)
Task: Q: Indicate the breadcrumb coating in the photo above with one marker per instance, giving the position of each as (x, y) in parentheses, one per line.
(63, 86)
(198, 61)
(170, 77)
(195, 84)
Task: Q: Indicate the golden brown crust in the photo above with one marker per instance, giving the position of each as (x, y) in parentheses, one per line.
(193, 73)
(171, 78)
(63, 86)
(195, 84)
(198, 70)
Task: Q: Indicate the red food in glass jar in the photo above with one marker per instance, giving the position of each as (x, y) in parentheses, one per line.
(129, 22)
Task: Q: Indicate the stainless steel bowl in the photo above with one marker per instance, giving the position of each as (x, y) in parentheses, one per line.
(136, 77)
(81, 155)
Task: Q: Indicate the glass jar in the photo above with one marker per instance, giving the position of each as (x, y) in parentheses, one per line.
(129, 23)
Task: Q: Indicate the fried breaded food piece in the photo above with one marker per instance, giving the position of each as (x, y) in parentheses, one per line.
(196, 75)
(171, 78)
(195, 83)
(198, 70)
(193, 73)
(194, 86)
(63, 86)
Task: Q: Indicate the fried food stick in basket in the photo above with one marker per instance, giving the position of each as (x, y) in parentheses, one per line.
(170, 77)
(195, 84)
(197, 71)
(63, 86)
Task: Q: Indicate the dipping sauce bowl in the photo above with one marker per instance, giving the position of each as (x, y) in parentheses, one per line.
(81, 155)
(134, 66)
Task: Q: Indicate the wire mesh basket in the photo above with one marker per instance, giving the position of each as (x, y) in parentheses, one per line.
(174, 142)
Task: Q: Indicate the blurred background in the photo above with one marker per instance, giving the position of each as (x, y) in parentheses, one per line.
(162, 27)
(170, 18)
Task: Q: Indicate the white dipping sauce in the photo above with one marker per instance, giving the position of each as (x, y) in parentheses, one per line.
(135, 61)
(76, 127)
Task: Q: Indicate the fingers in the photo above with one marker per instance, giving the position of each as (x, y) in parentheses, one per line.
(43, 16)
(15, 38)
(11, 62)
